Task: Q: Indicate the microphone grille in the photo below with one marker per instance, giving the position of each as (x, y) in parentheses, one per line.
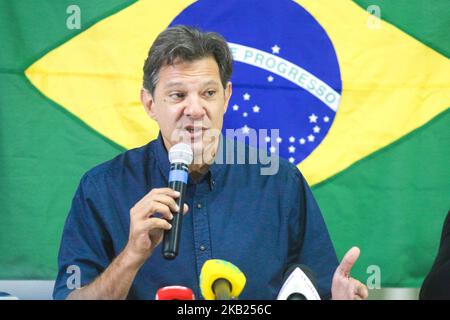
(181, 152)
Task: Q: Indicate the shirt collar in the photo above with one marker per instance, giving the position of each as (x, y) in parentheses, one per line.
(162, 157)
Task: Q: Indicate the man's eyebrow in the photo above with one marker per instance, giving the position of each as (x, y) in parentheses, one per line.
(181, 84)
(173, 84)
(210, 82)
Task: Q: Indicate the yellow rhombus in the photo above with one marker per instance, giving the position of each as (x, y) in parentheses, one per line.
(392, 83)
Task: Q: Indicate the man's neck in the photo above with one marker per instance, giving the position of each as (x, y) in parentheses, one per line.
(196, 171)
(202, 162)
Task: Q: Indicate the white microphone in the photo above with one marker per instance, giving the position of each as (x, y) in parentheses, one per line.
(298, 284)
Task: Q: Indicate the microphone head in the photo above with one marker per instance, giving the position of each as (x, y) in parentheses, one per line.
(181, 152)
(306, 270)
(299, 283)
(216, 269)
(175, 293)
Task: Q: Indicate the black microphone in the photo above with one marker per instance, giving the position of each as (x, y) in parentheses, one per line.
(180, 157)
(299, 283)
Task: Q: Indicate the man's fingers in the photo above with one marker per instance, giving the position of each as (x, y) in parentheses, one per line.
(167, 200)
(162, 209)
(143, 212)
(170, 202)
(166, 191)
(348, 261)
(361, 291)
(155, 193)
(151, 204)
(156, 223)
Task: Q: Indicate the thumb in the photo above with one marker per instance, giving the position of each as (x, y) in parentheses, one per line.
(348, 261)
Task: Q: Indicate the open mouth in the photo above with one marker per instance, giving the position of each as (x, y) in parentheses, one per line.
(194, 130)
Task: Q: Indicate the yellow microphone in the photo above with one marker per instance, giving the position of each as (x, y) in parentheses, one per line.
(221, 280)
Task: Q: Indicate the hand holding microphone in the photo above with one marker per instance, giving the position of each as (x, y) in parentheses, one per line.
(146, 229)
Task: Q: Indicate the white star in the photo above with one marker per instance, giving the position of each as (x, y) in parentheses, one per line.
(326, 119)
(275, 49)
(291, 160)
(312, 118)
(291, 149)
(311, 138)
(245, 114)
(267, 139)
(245, 129)
(279, 139)
(316, 129)
(270, 78)
(302, 141)
(246, 96)
(272, 149)
(235, 107)
(256, 109)
(291, 139)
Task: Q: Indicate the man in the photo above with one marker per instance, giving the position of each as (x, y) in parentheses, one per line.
(436, 285)
(262, 224)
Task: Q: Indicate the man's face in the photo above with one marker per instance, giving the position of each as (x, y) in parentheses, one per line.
(189, 103)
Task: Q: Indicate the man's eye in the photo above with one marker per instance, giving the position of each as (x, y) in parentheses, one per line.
(177, 95)
(210, 93)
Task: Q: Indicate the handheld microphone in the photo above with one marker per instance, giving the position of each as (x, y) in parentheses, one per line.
(175, 293)
(221, 280)
(299, 284)
(180, 157)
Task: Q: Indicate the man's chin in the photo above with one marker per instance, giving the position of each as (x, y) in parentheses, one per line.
(202, 148)
(204, 153)
(197, 149)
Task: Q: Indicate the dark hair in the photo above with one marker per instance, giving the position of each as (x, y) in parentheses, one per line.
(186, 44)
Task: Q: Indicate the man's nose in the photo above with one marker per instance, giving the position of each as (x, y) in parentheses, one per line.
(194, 108)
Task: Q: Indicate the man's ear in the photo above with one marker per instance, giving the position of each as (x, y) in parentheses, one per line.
(228, 91)
(148, 103)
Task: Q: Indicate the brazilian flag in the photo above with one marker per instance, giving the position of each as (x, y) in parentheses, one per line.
(69, 99)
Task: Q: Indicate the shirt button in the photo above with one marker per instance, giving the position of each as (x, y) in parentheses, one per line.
(202, 248)
(199, 205)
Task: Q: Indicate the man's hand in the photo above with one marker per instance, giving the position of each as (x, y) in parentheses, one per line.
(343, 286)
(146, 231)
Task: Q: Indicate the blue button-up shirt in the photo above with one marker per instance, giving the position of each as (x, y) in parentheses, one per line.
(260, 223)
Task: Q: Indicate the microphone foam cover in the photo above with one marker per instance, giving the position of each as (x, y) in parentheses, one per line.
(215, 269)
(181, 152)
(175, 293)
